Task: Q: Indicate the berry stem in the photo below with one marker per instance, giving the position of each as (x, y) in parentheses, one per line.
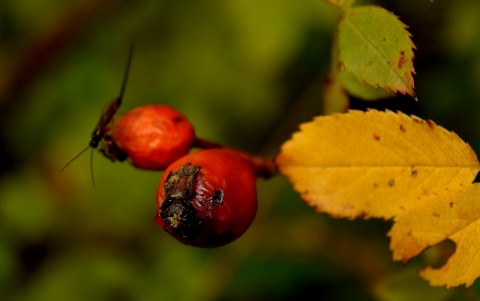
(262, 167)
(206, 144)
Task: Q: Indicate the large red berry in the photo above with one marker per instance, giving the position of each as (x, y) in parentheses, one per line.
(207, 198)
(153, 136)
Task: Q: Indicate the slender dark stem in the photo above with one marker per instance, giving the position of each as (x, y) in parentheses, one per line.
(262, 167)
(205, 144)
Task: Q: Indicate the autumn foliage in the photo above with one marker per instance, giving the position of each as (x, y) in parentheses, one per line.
(392, 166)
(386, 164)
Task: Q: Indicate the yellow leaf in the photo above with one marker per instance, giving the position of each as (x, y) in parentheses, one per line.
(389, 165)
(453, 214)
(374, 164)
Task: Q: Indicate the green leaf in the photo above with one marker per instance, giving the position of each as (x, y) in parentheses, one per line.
(361, 90)
(376, 48)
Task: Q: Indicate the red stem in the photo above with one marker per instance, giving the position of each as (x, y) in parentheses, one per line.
(262, 167)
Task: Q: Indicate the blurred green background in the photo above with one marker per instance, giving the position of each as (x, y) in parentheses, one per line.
(245, 73)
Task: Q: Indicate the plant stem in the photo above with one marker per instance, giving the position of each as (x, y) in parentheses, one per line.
(262, 167)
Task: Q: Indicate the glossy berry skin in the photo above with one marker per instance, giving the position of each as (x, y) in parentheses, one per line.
(207, 198)
(153, 136)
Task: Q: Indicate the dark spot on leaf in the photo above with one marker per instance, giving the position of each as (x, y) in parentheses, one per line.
(414, 173)
(430, 123)
(409, 233)
(384, 39)
(363, 215)
(375, 185)
(391, 183)
(451, 204)
(402, 128)
(401, 60)
(376, 137)
(435, 214)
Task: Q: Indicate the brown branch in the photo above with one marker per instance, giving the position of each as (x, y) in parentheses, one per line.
(262, 167)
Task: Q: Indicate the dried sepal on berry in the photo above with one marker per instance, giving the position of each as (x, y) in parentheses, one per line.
(219, 186)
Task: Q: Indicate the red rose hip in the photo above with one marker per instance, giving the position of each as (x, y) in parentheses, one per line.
(153, 136)
(207, 198)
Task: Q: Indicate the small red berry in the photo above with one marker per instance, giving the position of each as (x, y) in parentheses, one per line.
(207, 198)
(153, 136)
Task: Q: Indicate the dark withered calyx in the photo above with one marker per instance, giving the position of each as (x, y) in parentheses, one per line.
(181, 216)
(177, 210)
(111, 150)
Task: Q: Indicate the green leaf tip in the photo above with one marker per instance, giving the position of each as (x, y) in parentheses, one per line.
(375, 46)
